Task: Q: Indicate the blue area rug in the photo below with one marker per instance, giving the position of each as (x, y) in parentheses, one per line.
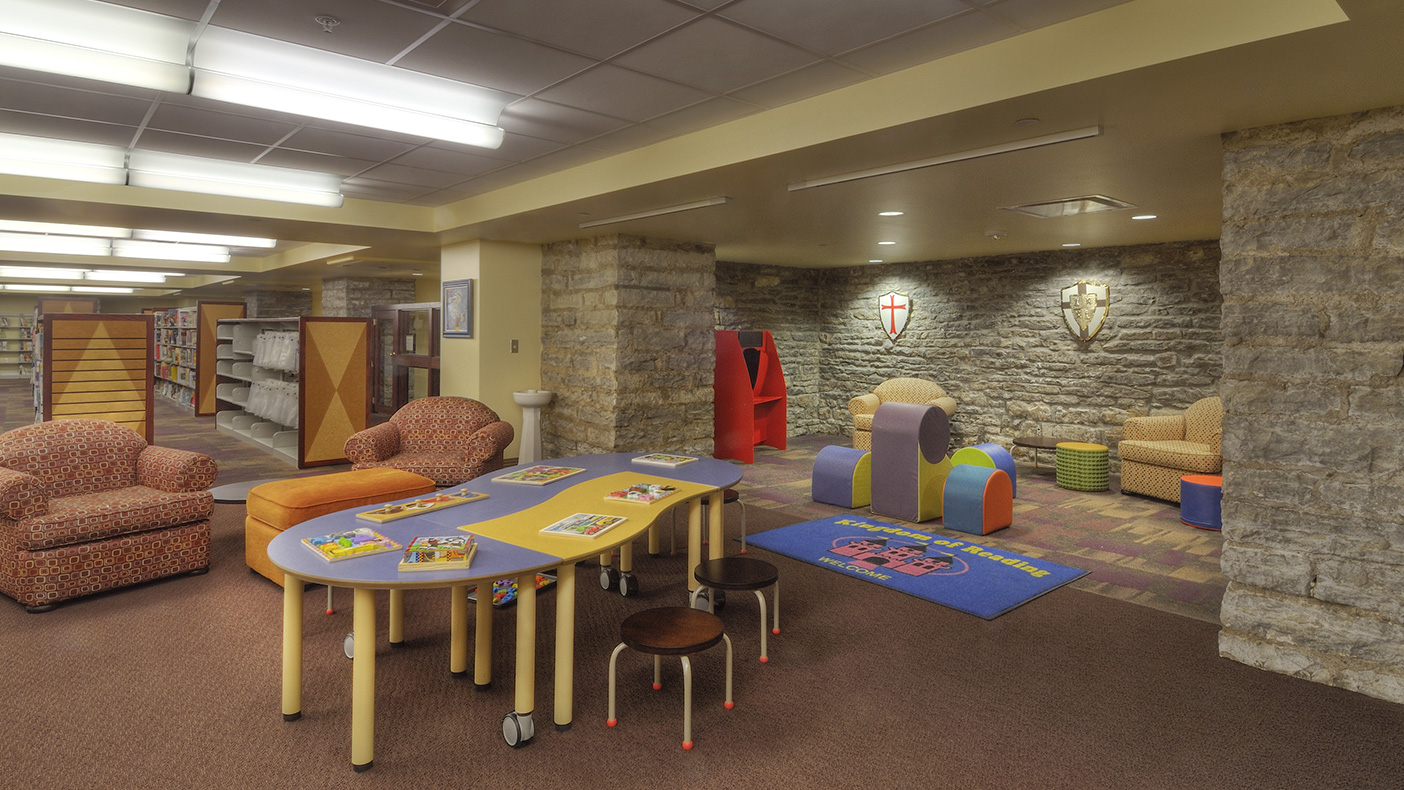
(949, 571)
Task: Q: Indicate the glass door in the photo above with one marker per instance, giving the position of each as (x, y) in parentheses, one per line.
(407, 354)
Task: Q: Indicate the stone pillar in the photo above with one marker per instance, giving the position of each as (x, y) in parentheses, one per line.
(628, 345)
(1313, 283)
(353, 297)
(277, 304)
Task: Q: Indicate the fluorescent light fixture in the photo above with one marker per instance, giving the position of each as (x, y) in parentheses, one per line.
(262, 72)
(63, 159)
(97, 41)
(58, 245)
(960, 156)
(891, 213)
(1073, 244)
(46, 288)
(41, 273)
(875, 260)
(159, 170)
(204, 238)
(657, 212)
(97, 289)
(122, 276)
(18, 226)
(1144, 216)
(165, 251)
(887, 243)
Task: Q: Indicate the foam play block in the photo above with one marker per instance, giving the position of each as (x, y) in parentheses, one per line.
(979, 499)
(991, 456)
(910, 463)
(1201, 501)
(842, 476)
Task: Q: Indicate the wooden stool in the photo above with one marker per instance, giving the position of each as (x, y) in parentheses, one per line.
(740, 573)
(671, 631)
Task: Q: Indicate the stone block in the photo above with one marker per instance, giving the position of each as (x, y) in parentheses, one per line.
(1270, 569)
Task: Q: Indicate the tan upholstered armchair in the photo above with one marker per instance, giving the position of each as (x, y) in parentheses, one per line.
(447, 439)
(1157, 451)
(88, 506)
(901, 390)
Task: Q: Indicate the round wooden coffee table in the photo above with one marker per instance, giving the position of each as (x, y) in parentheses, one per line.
(1038, 443)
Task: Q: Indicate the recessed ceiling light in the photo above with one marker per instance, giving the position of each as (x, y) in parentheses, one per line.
(1144, 216)
(416, 274)
(1072, 244)
(875, 260)
(1067, 207)
(891, 213)
(887, 242)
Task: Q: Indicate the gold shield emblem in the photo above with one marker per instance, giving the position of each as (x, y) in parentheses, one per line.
(1085, 306)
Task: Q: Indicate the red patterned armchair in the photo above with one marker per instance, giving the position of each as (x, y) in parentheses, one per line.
(87, 506)
(447, 439)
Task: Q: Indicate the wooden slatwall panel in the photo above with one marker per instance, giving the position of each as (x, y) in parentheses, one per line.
(207, 317)
(335, 378)
(99, 367)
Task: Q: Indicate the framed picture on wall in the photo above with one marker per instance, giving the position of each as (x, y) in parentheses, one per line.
(458, 308)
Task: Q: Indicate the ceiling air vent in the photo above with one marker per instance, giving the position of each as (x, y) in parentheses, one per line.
(1067, 207)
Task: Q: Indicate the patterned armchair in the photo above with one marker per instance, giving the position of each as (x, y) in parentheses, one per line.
(446, 439)
(88, 506)
(901, 390)
(1157, 451)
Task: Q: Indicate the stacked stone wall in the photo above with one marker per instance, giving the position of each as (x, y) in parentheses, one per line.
(991, 332)
(627, 345)
(1313, 281)
(353, 297)
(277, 304)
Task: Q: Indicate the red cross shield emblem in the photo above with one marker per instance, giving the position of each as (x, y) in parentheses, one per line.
(893, 311)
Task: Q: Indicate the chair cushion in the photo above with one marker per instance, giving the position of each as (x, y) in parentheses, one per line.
(445, 469)
(1187, 456)
(89, 517)
(284, 503)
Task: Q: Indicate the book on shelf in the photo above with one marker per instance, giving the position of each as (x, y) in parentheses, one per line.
(538, 475)
(641, 492)
(584, 525)
(439, 553)
(358, 542)
(664, 459)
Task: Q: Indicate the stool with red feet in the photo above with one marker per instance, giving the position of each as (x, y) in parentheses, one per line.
(671, 631)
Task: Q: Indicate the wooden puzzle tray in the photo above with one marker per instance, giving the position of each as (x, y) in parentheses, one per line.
(425, 505)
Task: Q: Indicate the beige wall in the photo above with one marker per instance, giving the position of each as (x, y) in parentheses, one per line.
(506, 306)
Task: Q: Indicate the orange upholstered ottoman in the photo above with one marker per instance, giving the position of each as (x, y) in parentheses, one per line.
(273, 507)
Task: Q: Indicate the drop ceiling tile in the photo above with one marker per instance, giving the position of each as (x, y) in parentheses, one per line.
(715, 55)
(326, 141)
(320, 163)
(1030, 14)
(368, 30)
(493, 60)
(444, 161)
(230, 126)
(557, 122)
(832, 28)
(629, 138)
(821, 77)
(47, 100)
(599, 28)
(25, 123)
(567, 158)
(372, 189)
(499, 179)
(515, 148)
(703, 115)
(930, 43)
(193, 145)
(413, 176)
(622, 93)
(705, 5)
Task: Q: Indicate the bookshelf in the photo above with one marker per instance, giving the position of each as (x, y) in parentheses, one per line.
(16, 345)
(175, 355)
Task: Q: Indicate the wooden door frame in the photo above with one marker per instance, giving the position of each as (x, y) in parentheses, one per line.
(402, 361)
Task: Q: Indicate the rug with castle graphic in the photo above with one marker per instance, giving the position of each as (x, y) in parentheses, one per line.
(971, 577)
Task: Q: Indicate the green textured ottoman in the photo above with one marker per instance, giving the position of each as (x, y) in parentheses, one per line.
(1082, 466)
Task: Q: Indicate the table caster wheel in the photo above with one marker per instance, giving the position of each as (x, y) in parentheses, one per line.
(348, 645)
(517, 729)
(609, 578)
(703, 601)
(628, 585)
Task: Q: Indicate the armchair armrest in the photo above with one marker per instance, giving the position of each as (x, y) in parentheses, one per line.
(21, 495)
(373, 444)
(946, 404)
(864, 404)
(488, 441)
(1155, 429)
(169, 469)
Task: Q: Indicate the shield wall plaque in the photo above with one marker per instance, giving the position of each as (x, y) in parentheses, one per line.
(893, 311)
(1085, 307)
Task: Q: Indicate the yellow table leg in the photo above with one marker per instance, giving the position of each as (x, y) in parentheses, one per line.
(363, 681)
(565, 646)
(655, 541)
(526, 643)
(714, 529)
(458, 629)
(482, 655)
(292, 647)
(397, 618)
(694, 540)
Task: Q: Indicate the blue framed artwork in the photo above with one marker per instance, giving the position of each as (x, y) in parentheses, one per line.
(458, 308)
